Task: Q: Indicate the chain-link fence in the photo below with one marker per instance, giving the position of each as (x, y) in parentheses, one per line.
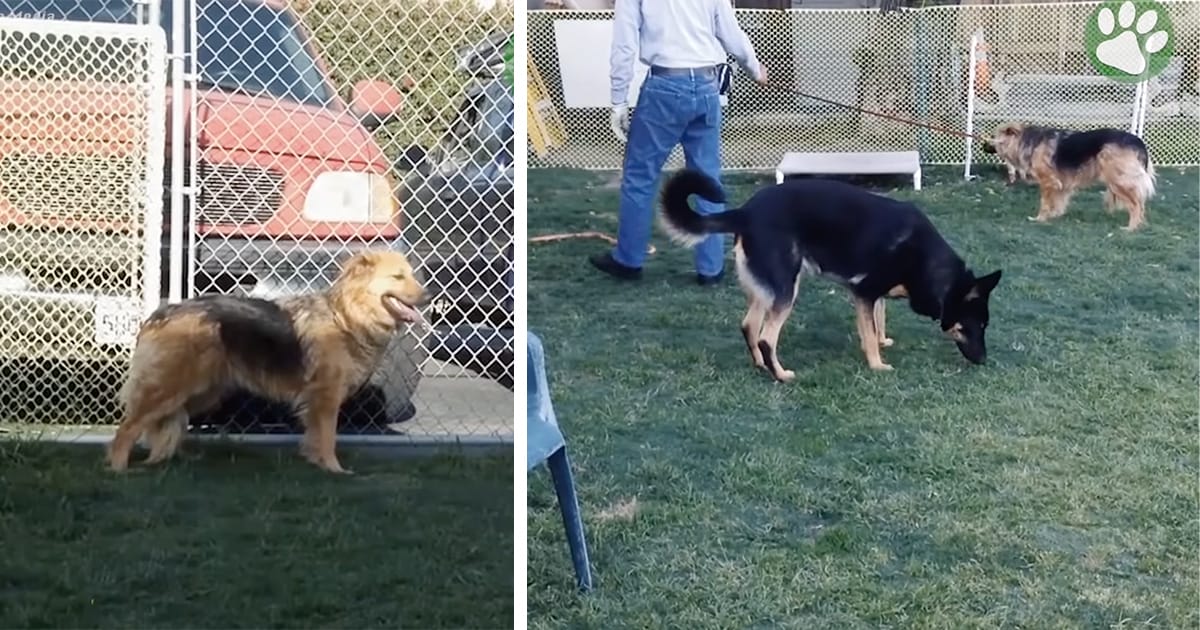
(250, 147)
(76, 253)
(911, 63)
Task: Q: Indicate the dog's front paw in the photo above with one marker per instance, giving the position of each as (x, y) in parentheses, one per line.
(1039, 219)
(886, 342)
(116, 463)
(785, 376)
(880, 367)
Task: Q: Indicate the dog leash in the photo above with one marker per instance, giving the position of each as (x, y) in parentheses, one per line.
(547, 238)
(954, 132)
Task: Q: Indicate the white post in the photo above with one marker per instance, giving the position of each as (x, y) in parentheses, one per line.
(1137, 99)
(970, 102)
(175, 267)
(1143, 109)
(152, 222)
(153, 12)
(193, 148)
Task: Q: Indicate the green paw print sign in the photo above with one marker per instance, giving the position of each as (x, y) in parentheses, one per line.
(1129, 40)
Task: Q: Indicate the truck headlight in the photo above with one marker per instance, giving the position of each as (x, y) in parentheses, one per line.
(350, 196)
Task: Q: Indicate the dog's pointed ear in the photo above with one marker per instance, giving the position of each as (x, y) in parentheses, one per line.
(983, 286)
(358, 264)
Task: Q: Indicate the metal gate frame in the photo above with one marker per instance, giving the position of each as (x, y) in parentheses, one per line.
(185, 189)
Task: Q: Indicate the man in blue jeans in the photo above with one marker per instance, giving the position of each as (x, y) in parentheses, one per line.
(684, 42)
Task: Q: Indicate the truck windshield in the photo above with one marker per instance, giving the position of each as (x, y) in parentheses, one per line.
(244, 45)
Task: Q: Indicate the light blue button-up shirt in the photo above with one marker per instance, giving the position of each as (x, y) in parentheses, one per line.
(675, 34)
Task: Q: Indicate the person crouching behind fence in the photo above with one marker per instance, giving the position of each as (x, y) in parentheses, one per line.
(685, 43)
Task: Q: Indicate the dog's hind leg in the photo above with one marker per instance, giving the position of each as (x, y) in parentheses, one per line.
(752, 325)
(1110, 202)
(865, 318)
(777, 315)
(146, 407)
(758, 298)
(165, 436)
(1060, 202)
(1124, 188)
(880, 324)
(1133, 203)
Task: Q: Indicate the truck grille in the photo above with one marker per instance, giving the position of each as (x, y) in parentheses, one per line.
(67, 188)
(233, 194)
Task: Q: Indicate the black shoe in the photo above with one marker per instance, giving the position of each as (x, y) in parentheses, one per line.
(605, 263)
(705, 281)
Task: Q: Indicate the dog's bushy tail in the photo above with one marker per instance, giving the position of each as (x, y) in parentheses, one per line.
(1146, 180)
(686, 226)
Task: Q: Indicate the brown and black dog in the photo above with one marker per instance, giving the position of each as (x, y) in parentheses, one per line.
(312, 351)
(1062, 161)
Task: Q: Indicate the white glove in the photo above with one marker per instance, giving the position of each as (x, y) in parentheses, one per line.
(762, 79)
(620, 122)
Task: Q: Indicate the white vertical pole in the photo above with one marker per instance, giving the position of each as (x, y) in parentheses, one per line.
(1145, 107)
(1137, 95)
(193, 160)
(153, 12)
(152, 222)
(970, 103)
(175, 267)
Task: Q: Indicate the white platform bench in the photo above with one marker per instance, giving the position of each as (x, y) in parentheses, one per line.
(854, 163)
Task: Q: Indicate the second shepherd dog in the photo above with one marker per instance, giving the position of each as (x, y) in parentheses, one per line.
(1063, 161)
(312, 351)
(875, 246)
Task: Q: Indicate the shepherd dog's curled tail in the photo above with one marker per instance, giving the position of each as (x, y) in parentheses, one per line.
(686, 226)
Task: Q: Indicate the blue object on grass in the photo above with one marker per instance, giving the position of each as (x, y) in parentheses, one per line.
(546, 444)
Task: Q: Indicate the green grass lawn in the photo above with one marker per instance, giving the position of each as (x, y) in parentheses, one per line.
(1055, 487)
(254, 538)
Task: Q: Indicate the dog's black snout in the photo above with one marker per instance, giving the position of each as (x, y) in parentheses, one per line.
(976, 356)
(988, 147)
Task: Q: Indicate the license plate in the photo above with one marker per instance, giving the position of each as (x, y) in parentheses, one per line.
(116, 320)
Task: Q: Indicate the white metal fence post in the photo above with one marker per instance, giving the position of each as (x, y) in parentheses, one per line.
(176, 233)
(970, 122)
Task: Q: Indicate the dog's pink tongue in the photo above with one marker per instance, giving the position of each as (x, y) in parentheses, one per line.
(404, 311)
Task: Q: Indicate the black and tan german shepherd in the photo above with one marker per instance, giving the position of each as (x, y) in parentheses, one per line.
(875, 246)
(1063, 161)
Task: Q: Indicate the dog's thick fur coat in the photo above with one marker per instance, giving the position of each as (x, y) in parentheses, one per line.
(312, 351)
(1062, 161)
(875, 246)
